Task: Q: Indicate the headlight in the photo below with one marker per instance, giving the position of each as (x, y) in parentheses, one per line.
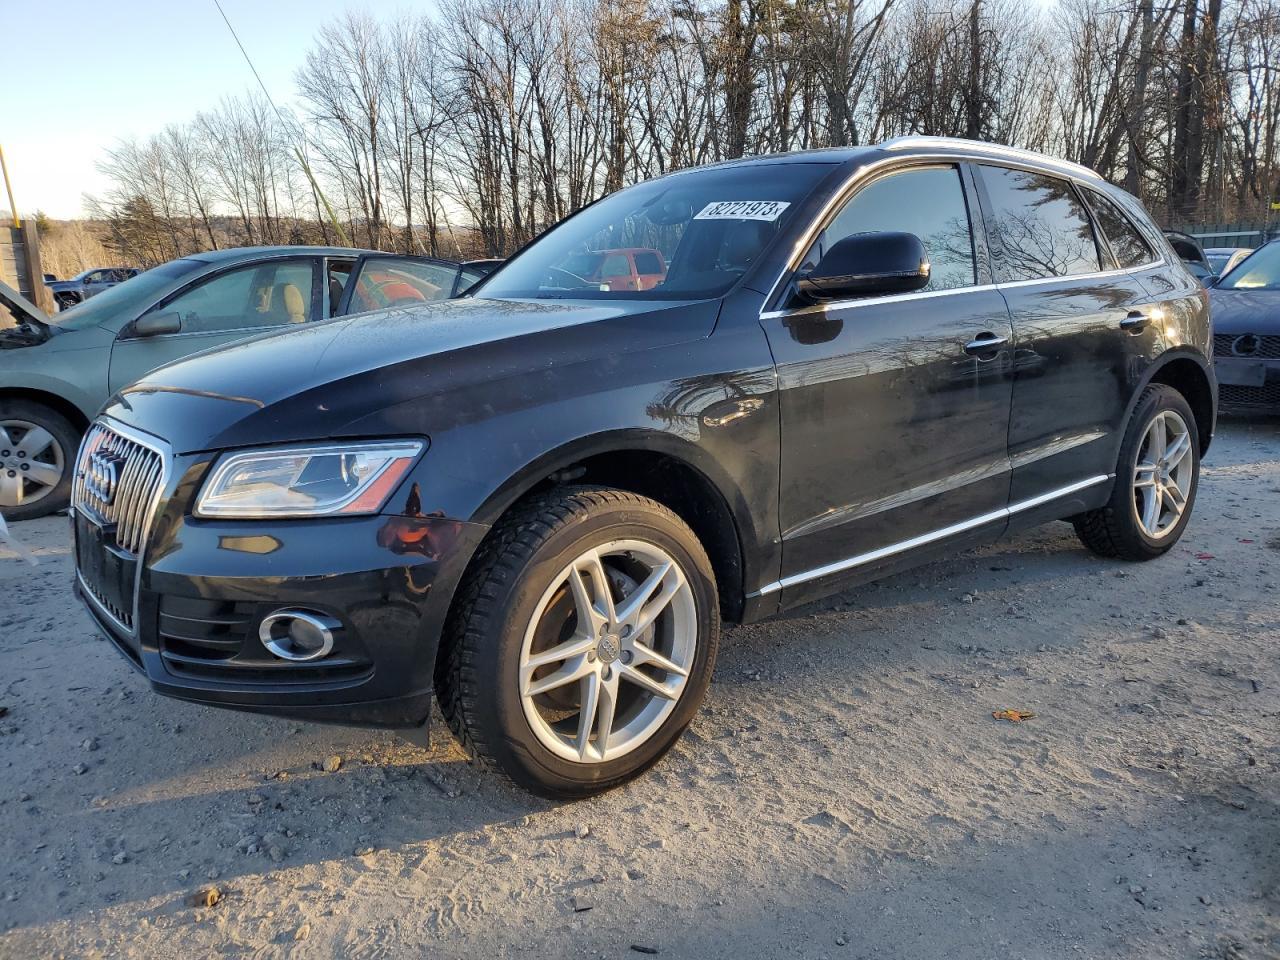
(334, 479)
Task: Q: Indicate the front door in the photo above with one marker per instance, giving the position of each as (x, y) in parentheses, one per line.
(895, 409)
(227, 306)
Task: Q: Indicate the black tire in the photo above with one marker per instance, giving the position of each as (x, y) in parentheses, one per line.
(66, 300)
(477, 676)
(1114, 530)
(67, 439)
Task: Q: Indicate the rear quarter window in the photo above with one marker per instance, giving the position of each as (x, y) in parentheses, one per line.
(1125, 240)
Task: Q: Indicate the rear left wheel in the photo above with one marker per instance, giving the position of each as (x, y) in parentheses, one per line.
(583, 641)
(1157, 474)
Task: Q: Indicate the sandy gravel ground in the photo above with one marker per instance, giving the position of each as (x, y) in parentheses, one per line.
(845, 792)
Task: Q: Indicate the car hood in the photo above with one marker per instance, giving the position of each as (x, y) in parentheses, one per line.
(330, 379)
(56, 285)
(1245, 311)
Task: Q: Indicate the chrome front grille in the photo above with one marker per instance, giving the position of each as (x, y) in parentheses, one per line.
(116, 481)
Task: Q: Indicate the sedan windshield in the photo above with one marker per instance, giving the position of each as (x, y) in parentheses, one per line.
(130, 295)
(684, 237)
(1260, 271)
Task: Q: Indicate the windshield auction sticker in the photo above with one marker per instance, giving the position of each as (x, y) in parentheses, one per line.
(743, 210)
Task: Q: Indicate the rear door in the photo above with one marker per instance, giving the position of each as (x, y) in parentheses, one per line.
(895, 409)
(226, 306)
(385, 280)
(1074, 311)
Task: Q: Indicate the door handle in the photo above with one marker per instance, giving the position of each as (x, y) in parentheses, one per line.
(1135, 322)
(984, 343)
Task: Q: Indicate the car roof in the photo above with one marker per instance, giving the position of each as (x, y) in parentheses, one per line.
(975, 150)
(230, 254)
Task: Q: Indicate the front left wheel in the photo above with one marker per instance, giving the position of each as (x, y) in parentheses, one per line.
(582, 642)
(37, 453)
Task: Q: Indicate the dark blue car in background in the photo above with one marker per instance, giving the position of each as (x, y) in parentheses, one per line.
(1246, 333)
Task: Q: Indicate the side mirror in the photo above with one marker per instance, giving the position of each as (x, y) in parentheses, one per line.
(868, 263)
(157, 324)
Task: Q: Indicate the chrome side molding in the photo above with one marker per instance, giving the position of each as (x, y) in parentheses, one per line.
(923, 539)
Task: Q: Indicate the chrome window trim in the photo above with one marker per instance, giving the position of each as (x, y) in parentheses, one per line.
(924, 539)
(163, 451)
(1079, 171)
(966, 152)
(871, 301)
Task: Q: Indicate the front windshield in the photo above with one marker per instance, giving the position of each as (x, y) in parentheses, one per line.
(684, 237)
(127, 296)
(1259, 271)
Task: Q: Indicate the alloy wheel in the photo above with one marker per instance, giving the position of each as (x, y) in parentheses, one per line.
(31, 463)
(608, 651)
(1162, 474)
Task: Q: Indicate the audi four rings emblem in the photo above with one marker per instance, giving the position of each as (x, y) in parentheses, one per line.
(1245, 346)
(101, 475)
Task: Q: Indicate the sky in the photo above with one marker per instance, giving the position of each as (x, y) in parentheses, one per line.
(100, 71)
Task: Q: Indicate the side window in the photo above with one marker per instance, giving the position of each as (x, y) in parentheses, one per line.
(1039, 226)
(648, 262)
(615, 265)
(468, 277)
(928, 202)
(338, 273)
(397, 281)
(261, 295)
(1126, 242)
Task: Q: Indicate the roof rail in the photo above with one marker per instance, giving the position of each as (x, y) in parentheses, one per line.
(991, 149)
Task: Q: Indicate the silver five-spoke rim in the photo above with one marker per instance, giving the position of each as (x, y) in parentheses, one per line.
(1162, 474)
(608, 651)
(31, 462)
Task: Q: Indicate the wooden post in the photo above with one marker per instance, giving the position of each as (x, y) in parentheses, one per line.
(13, 207)
(38, 294)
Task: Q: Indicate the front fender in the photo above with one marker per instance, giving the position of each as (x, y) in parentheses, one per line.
(710, 404)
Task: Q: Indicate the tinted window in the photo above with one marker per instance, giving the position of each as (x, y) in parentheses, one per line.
(261, 295)
(928, 202)
(1125, 240)
(1039, 226)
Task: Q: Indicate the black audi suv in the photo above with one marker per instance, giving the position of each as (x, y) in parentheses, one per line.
(538, 503)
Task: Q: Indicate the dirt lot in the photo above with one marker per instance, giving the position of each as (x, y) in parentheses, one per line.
(845, 792)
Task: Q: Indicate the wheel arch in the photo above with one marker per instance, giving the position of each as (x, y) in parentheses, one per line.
(1189, 374)
(674, 472)
(58, 404)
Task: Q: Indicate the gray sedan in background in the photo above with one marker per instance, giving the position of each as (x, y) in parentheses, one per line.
(55, 372)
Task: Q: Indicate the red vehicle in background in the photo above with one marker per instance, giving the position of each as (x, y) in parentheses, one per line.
(622, 268)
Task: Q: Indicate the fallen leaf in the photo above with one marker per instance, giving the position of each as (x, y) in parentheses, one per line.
(1013, 716)
(1204, 556)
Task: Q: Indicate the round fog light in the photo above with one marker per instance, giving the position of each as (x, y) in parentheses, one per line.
(298, 634)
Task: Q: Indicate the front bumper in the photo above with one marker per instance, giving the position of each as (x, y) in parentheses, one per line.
(204, 588)
(1248, 384)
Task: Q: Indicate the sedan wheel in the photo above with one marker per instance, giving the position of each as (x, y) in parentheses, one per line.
(32, 463)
